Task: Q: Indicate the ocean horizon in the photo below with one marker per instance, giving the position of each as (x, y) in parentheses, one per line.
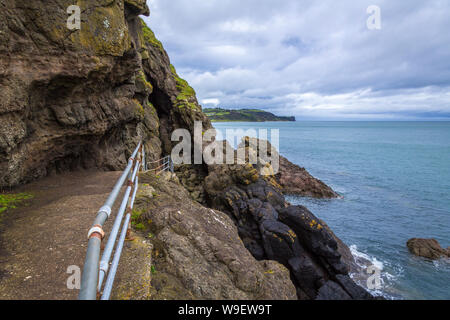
(394, 179)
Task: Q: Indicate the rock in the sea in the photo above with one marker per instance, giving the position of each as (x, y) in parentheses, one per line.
(427, 248)
(198, 253)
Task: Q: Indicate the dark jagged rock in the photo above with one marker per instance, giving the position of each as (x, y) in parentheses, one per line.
(309, 275)
(355, 291)
(427, 248)
(314, 235)
(280, 242)
(332, 291)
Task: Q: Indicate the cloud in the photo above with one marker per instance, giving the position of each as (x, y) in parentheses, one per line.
(312, 59)
(212, 102)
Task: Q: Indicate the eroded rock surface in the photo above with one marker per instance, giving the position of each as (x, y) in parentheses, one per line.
(197, 250)
(292, 179)
(296, 180)
(272, 229)
(83, 98)
(70, 98)
(427, 248)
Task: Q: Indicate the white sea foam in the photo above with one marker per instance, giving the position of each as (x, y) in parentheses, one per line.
(357, 254)
(364, 260)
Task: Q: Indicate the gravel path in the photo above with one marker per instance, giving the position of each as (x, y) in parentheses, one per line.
(40, 240)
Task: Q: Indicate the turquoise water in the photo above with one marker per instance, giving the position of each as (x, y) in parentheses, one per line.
(395, 181)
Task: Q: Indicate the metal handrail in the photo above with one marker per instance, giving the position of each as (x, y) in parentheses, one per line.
(95, 269)
(115, 263)
(104, 262)
(167, 165)
(89, 279)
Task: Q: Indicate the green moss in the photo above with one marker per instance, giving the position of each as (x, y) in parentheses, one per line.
(139, 226)
(152, 109)
(140, 112)
(143, 79)
(186, 95)
(153, 269)
(150, 38)
(137, 221)
(11, 201)
(106, 33)
(136, 215)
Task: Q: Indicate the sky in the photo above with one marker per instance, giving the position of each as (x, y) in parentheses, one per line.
(316, 60)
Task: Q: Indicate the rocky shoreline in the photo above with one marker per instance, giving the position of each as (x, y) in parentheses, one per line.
(83, 99)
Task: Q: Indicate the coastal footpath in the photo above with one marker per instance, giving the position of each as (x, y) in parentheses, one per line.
(77, 100)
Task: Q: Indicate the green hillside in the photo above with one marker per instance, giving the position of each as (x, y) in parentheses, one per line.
(243, 115)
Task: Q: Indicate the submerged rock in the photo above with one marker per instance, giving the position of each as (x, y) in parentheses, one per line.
(427, 248)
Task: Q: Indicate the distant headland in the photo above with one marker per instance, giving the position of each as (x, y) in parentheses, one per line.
(244, 115)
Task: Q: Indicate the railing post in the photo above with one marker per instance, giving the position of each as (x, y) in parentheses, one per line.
(144, 163)
(171, 165)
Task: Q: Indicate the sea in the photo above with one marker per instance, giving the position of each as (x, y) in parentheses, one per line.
(394, 179)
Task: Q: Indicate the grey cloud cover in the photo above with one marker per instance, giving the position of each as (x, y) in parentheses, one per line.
(312, 59)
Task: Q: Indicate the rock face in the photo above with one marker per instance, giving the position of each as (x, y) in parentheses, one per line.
(84, 98)
(198, 253)
(427, 248)
(70, 99)
(272, 229)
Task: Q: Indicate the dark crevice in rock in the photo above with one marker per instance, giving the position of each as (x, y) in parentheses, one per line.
(161, 101)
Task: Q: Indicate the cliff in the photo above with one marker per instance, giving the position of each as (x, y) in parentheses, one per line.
(244, 115)
(83, 98)
(74, 99)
